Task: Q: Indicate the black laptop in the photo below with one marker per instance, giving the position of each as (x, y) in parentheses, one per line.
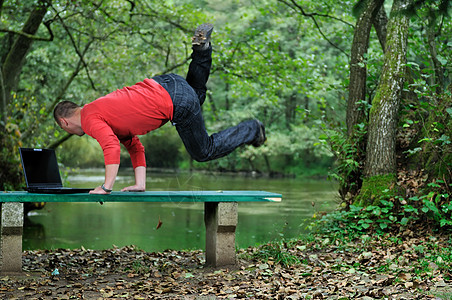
(42, 174)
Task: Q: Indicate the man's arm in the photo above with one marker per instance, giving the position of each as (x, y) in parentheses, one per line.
(110, 176)
(140, 181)
(136, 152)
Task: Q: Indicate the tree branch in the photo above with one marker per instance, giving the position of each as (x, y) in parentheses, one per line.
(171, 68)
(80, 55)
(295, 6)
(60, 141)
(311, 15)
(69, 81)
(49, 109)
(380, 24)
(32, 36)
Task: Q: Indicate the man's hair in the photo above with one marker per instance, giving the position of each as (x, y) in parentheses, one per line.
(64, 109)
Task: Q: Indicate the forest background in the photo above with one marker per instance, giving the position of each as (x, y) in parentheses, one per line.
(359, 90)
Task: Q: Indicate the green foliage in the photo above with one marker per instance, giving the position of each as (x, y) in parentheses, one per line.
(423, 141)
(164, 148)
(262, 69)
(266, 74)
(270, 62)
(10, 171)
(377, 188)
(348, 152)
(427, 122)
(276, 252)
(436, 204)
(433, 147)
(360, 219)
(431, 7)
(82, 152)
(391, 213)
(296, 152)
(96, 49)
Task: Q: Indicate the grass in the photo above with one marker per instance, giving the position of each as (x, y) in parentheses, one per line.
(444, 296)
(277, 252)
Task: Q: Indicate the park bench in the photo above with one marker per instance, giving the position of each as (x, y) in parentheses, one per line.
(220, 218)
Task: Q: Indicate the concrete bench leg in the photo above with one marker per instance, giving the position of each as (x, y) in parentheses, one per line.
(12, 221)
(221, 220)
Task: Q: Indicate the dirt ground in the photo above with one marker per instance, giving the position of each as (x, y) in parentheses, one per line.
(384, 271)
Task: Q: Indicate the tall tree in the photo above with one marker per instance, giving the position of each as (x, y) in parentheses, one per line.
(358, 65)
(380, 167)
(13, 60)
(369, 13)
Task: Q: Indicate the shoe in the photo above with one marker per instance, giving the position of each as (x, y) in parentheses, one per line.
(201, 38)
(261, 138)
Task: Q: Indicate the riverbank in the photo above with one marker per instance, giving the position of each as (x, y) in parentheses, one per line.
(409, 266)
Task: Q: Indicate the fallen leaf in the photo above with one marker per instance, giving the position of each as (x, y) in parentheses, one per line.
(159, 224)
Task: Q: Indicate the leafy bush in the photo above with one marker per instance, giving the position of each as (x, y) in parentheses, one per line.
(349, 154)
(392, 213)
(10, 172)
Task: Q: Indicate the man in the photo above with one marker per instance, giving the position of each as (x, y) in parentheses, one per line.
(122, 115)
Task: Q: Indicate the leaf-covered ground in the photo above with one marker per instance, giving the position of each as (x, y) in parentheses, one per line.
(402, 267)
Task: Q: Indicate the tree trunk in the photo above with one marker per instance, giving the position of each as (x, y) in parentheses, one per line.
(10, 173)
(356, 113)
(380, 25)
(15, 58)
(358, 69)
(381, 144)
(291, 105)
(439, 72)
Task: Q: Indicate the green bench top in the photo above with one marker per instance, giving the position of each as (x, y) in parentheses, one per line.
(149, 196)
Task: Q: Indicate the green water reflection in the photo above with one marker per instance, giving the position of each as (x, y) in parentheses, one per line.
(95, 226)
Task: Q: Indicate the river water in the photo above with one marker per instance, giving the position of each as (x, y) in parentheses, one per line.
(95, 226)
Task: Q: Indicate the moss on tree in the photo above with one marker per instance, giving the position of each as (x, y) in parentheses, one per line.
(376, 188)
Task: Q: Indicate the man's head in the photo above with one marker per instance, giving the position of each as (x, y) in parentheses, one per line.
(67, 116)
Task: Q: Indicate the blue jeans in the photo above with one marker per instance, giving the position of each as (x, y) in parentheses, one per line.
(188, 95)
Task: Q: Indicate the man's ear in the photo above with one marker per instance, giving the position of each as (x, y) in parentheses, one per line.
(63, 122)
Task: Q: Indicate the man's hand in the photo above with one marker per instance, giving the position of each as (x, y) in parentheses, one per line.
(98, 190)
(134, 188)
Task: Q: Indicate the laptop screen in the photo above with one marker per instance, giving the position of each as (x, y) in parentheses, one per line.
(40, 167)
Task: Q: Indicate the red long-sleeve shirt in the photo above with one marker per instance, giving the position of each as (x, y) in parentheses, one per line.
(122, 115)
